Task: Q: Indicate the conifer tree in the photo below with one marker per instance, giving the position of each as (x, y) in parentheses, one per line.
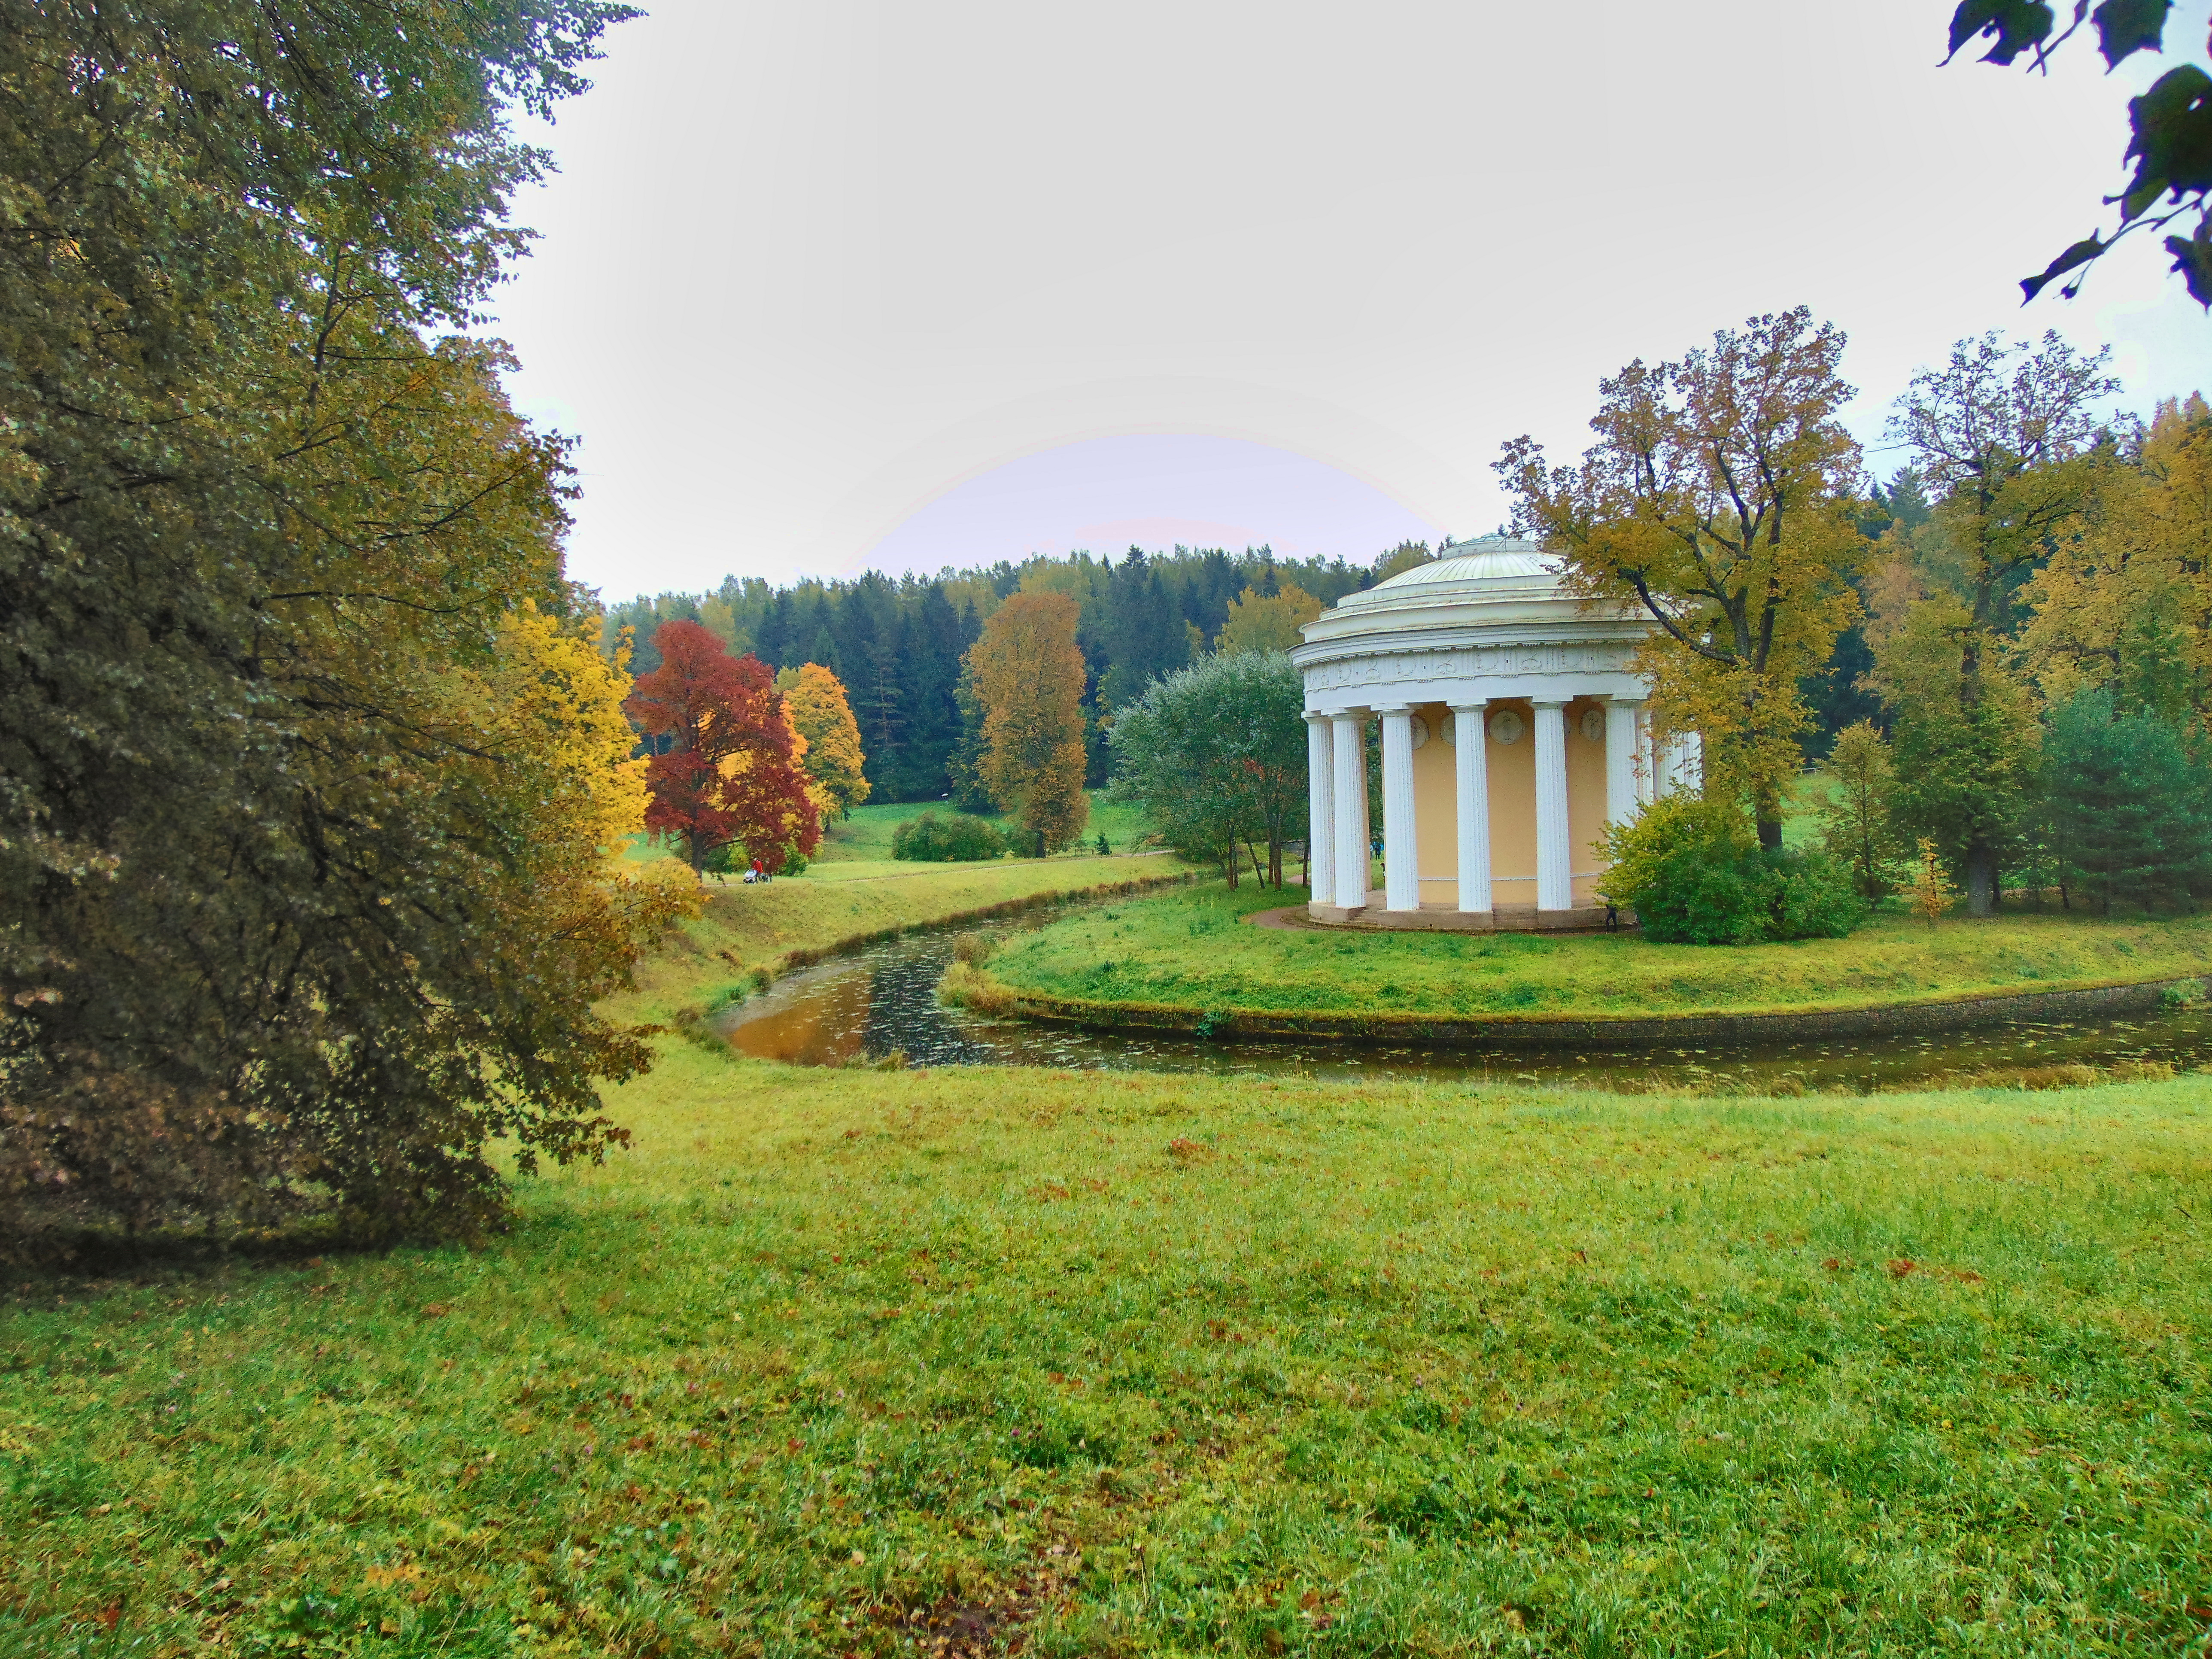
(2130, 799)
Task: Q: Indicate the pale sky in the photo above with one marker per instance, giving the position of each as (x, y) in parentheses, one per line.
(829, 287)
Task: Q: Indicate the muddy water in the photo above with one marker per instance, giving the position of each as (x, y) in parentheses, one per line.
(864, 1007)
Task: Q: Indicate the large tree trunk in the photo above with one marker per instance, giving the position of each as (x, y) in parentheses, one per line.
(1981, 879)
(1770, 832)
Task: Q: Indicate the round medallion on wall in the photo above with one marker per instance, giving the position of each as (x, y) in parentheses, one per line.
(1505, 726)
(1420, 730)
(1593, 724)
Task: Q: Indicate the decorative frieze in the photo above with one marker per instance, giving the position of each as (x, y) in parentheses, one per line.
(1470, 662)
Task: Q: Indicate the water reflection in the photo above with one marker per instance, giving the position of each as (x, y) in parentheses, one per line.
(883, 1000)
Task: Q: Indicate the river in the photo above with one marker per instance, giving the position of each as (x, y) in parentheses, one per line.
(882, 1001)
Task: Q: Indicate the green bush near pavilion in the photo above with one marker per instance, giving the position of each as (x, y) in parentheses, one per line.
(1694, 874)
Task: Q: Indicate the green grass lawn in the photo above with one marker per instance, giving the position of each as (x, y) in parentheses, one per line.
(841, 1362)
(1189, 948)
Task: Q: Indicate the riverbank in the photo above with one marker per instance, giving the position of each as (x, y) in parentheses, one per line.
(1188, 959)
(834, 1361)
(747, 935)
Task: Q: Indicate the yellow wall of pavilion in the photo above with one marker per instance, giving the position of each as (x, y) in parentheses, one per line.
(1512, 807)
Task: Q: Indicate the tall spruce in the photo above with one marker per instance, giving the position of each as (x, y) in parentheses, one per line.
(2131, 803)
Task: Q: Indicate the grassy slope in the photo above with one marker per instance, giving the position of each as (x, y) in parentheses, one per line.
(1188, 949)
(744, 928)
(1176, 1365)
(859, 847)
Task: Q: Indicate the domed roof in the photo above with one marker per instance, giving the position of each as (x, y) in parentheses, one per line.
(1495, 588)
(1495, 562)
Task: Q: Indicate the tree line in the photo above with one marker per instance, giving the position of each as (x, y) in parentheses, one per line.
(899, 646)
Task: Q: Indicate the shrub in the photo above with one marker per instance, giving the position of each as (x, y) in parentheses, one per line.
(794, 862)
(959, 838)
(1694, 874)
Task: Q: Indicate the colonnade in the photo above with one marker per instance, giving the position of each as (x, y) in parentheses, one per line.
(1336, 755)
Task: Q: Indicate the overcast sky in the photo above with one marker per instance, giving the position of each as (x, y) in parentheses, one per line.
(833, 286)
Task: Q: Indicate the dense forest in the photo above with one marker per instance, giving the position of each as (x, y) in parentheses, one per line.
(898, 643)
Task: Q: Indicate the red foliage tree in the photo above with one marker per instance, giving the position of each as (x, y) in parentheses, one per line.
(729, 774)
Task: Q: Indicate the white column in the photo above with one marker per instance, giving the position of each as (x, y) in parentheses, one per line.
(1647, 758)
(1348, 783)
(1401, 852)
(1321, 814)
(1555, 887)
(1471, 759)
(1621, 803)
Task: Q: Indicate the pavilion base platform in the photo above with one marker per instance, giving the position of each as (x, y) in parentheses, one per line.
(1437, 917)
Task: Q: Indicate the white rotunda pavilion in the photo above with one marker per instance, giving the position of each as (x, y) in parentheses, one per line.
(1513, 731)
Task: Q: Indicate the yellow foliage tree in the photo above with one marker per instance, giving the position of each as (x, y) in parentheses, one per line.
(2125, 602)
(547, 707)
(1028, 674)
(821, 716)
(1259, 623)
(1715, 500)
(550, 705)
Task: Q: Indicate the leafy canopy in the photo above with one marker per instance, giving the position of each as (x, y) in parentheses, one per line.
(1716, 501)
(1214, 756)
(726, 770)
(2170, 126)
(303, 779)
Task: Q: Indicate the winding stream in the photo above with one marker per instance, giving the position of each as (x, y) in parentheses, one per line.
(864, 1007)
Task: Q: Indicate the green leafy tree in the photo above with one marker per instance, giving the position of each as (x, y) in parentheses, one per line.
(2005, 435)
(295, 917)
(1214, 756)
(1965, 767)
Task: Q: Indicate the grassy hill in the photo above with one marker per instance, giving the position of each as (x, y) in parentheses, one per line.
(846, 1362)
